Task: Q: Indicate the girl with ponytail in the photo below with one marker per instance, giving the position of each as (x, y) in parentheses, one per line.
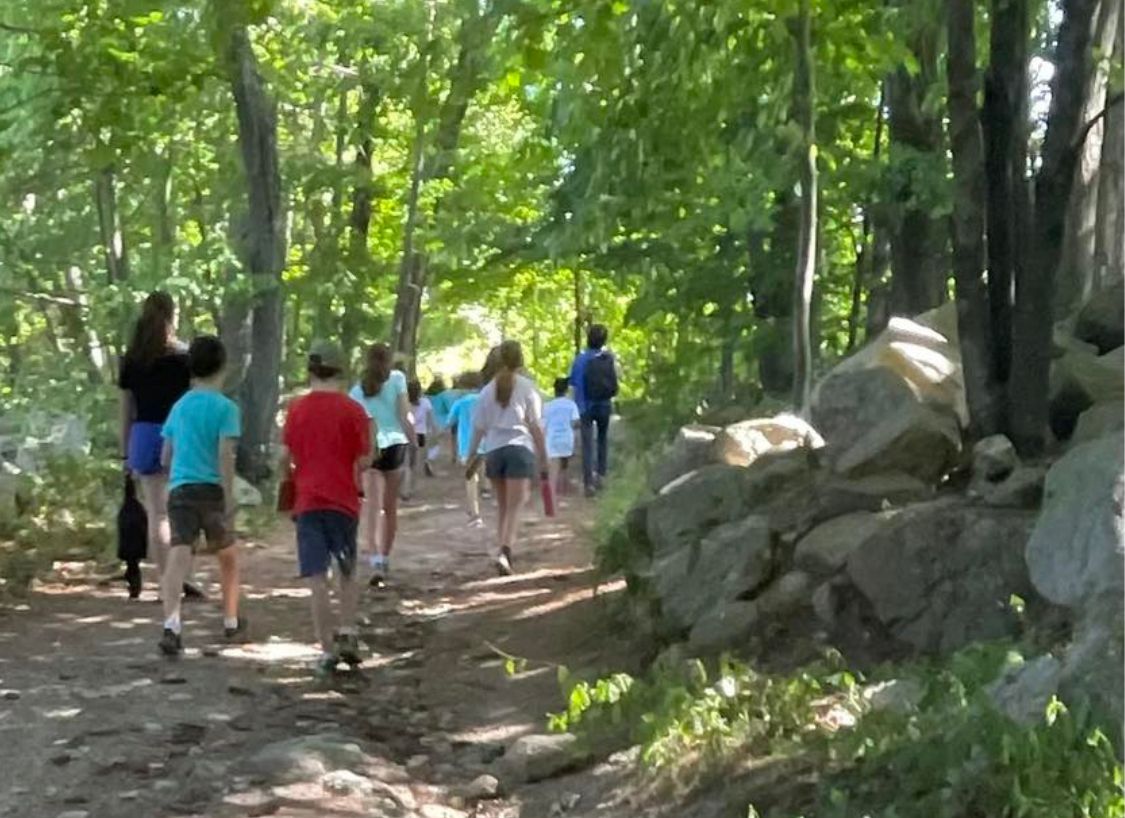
(506, 420)
(382, 391)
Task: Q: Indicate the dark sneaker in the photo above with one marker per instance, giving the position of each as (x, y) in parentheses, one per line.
(193, 592)
(326, 665)
(238, 632)
(504, 562)
(133, 579)
(591, 492)
(170, 643)
(346, 646)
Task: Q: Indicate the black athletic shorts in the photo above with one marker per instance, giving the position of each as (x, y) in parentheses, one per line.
(390, 458)
(422, 440)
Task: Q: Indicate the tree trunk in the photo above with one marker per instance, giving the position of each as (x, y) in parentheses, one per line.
(82, 333)
(1109, 263)
(1076, 272)
(864, 259)
(804, 95)
(263, 252)
(109, 226)
(973, 327)
(163, 229)
(359, 221)
(919, 273)
(578, 312)
(408, 298)
(1034, 314)
(1003, 119)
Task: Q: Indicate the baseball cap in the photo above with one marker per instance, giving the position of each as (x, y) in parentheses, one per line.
(327, 354)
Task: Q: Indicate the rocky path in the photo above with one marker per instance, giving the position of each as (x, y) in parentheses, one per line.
(94, 724)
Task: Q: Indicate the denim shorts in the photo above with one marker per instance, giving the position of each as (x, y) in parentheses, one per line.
(510, 463)
(199, 508)
(322, 536)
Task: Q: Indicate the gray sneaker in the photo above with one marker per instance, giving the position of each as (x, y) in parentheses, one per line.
(346, 647)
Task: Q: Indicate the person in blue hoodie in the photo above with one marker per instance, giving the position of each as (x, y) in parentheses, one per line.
(593, 377)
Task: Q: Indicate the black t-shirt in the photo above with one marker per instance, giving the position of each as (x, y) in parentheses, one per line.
(156, 387)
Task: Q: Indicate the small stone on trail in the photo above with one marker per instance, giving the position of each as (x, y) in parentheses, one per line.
(61, 759)
(417, 762)
(239, 690)
(74, 813)
(345, 782)
(439, 811)
(129, 795)
(537, 757)
(480, 788)
(173, 679)
(11, 695)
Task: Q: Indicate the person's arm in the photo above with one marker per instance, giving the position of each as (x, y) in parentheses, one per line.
(128, 413)
(406, 421)
(285, 462)
(540, 442)
(166, 455)
(227, 447)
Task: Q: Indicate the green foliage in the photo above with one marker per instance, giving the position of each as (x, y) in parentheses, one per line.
(614, 550)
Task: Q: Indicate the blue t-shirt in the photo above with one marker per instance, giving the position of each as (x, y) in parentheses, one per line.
(196, 426)
(443, 403)
(461, 413)
(382, 408)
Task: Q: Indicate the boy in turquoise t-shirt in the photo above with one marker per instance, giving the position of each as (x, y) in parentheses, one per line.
(200, 436)
(461, 421)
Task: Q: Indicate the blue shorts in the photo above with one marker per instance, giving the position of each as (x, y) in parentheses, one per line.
(322, 536)
(145, 446)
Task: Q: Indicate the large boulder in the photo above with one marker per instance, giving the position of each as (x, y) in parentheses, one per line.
(1099, 420)
(692, 448)
(538, 757)
(915, 439)
(724, 626)
(941, 574)
(740, 444)
(836, 496)
(1101, 321)
(825, 550)
(1023, 488)
(731, 562)
(307, 758)
(1076, 550)
(906, 365)
(1080, 380)
(693, 504)
(1023, 691)
(1092, 665)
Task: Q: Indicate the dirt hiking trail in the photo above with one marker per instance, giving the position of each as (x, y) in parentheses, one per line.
(95, 724)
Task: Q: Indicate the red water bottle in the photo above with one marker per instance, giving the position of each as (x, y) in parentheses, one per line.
(547, 492)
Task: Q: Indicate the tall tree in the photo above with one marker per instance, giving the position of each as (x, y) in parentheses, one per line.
(1109, 259)
(262, 247)
(804, 101)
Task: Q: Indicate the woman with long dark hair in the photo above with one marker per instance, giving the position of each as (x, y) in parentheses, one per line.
(382, 393)
(154, 374)
(507, 420)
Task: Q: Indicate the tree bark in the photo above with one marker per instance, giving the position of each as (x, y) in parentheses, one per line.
(1077, 267)
(109, 226)
(919, 274)
(972, 296)
(864, 259)
(804, 95)
(263, 252)
(1034, 313)
(579, 322)
(163, 231)
(1109, 263)
(76, 320)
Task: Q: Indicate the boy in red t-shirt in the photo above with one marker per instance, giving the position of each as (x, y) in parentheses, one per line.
(327, 441)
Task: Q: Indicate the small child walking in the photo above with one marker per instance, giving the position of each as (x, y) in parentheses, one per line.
(561, 419)
(200, 436)
(327, 439)
(461, 417)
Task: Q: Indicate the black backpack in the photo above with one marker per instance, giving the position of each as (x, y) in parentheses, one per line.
(601, 377)
(132, 526)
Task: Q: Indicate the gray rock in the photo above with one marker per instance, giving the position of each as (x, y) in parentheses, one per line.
(731, 562)
(1100, 420)
(1076, 550)
(345, 782)
(994, 458)
(740, 444)
(480, 788)
(692, 448)
(895, 696)
(538, 757)
(941, 574)
(835, 496)
(825, 549)
(1023, 488)
(690, 506)
(790, 592)
(1079, 381)
(74, 813)
(724, 626)
(1093, 665)
(1022, 692)
(916, 439)
(308, 758)
(1101, 321)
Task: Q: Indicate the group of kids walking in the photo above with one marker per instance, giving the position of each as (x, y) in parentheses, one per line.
(345, 454)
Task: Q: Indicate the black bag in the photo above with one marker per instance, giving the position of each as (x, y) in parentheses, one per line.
(601, 377)
(132, 526)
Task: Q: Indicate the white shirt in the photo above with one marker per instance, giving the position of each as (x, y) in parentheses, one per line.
(559, 417)
(421, 414)
(510, 425)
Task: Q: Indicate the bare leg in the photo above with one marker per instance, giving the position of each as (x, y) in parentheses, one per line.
(372, 508)
(472, 496)
(500, 489)
(390, 510)
(176, 569)
(518, 492)
(349, 601)
(321, 611)
(154, 497)
(554, 468)
(228, 580)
